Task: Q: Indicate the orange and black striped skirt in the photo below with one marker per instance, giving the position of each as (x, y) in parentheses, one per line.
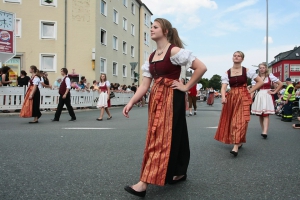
(235, 116)
(167, 150)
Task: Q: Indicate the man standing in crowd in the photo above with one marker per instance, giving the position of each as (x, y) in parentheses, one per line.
(288, 97)
(133, 88)
(65, 96)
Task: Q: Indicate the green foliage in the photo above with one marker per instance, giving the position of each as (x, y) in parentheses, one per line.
(215, 82)
(249, 81)
(204, 82)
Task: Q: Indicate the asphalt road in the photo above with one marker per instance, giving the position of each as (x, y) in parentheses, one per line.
(95, 160)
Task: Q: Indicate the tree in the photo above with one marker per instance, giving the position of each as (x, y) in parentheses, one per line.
(204, 82)
(249, 81)
(215, 82)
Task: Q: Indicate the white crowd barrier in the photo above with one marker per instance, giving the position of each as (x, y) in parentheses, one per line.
(12, 98)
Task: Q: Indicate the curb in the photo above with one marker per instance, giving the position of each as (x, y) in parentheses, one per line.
(52, 112)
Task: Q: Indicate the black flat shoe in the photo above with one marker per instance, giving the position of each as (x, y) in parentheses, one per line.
(240, 146)
(99, 119)
(264, 136)
(109, 118)
(33, 122)
(179, 180)
(72, 120)
(234, 153)
(54, 120)
(132, 191)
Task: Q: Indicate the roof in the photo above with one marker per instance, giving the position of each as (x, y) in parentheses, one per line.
(147, 8)
(293, 54)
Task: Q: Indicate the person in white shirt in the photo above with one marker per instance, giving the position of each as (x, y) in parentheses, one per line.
(263, 105)
(65, 96)
(104, 97)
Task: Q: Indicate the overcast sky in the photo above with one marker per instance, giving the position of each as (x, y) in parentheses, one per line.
(214, 30)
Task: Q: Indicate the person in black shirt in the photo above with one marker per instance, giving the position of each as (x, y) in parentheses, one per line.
(5, 76)
(23, 79)
(133, 88)
(46, 80)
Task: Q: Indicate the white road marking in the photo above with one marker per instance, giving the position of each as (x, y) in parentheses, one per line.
(88, 128)
(212, 127)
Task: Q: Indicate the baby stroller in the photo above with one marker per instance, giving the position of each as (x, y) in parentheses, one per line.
(279, 108)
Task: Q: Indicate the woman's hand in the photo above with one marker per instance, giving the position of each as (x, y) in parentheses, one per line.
(224, 100)
(30, 97)
(178, 86)
(126, 109)
(271, 92)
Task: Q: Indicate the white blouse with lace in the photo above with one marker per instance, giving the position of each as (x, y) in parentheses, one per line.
(250, 74)
(36, 81)
(183, 58)
(272, 78)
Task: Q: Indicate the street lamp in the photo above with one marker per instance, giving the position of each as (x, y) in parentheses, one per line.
(267, 34)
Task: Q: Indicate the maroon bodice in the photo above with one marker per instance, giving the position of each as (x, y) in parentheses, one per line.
(31, 82)
(267, 85)
(63, 86)
(238, 81)
(103, 88)
(164, 68)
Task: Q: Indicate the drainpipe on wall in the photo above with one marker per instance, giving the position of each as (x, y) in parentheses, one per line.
(139, 54)
(65, 47)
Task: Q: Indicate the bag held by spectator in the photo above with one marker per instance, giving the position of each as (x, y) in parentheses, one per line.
(112, 95)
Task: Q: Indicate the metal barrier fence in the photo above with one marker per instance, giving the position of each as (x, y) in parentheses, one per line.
(12, 98)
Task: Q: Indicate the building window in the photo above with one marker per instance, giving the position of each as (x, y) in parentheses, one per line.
(115, 43)
(52, 3)
(146, 18)
(132, 8)
(103, 8)
(116, 17)
(295, 78)
(115, 69)
(102, 65)
(124, 47)
(124, 71)
(132, 30)
(297, 54)
(103, 37)
(132, 51)
(124, 23)
(295, 68)
(48, 30)
(18, 27)
(12, 1)
(146, 38)
(125, 3)
(48, 62)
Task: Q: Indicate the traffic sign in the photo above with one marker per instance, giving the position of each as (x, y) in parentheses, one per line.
(7, 36)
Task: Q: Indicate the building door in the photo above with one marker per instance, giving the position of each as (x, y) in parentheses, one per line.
(15, 69)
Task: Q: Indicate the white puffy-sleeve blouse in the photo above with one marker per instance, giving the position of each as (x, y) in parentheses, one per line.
(36, 81)
(183, 58)
(250, 74)
(273, 78)
(146, 69)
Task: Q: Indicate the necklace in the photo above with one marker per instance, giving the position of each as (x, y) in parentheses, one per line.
(235, 72)
(162, 50)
